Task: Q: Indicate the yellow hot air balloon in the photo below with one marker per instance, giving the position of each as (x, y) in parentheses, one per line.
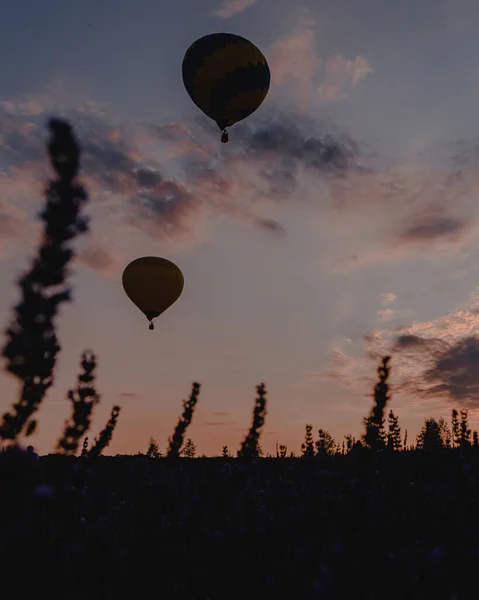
(153, 284)
(227, 77)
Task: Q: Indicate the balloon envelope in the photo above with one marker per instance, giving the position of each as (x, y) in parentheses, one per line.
(226, 76)
(153, 284)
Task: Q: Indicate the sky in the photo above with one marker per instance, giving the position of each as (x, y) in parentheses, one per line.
(301, 271)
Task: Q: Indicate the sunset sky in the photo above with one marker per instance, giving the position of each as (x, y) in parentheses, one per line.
(299, 273)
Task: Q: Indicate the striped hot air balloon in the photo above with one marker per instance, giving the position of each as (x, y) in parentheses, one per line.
(227, 77)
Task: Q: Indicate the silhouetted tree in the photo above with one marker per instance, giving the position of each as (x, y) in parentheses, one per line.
(475, 439)
(176, 442)
(282, 451)
(83, 398)
(105, 436)
(430, 436)
(249, 447)
(375, 436)
(32, 346)
(325, 443)
(153, 449)
(465, 436)
(446, 434)
(394, 432)
(226, 452)
(405, 440)
(456, 430)
(307, 448)
(349, 442)
(189, 451)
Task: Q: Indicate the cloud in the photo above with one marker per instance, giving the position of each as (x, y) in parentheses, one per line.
(435, 226)
(306, 77)
(148, 178)
(340, 74)
(370, 214)
(231, 8)
(400, 212)
(432, 361)
(408, 341)
(271, 225)
(454, 374)
(385, 314)
(388, 298)
(96, 257)
(9, 225)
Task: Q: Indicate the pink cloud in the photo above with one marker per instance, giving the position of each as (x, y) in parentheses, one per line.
(388, 298)
(340, 74)
(432, 361)
(306, 77)
(231, 8)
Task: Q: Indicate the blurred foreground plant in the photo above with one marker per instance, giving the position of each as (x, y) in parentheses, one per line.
(32, 344)
(83, 398)
(375, 436)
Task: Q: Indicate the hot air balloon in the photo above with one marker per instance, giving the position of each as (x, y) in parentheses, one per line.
(227, 77)
(153, 284)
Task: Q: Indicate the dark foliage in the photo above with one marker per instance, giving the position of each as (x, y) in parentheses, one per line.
(105, 436)
(84, 450)
(153, 449)
(176, 442)
(375, 437)
(307, 448)
(32, 345)
(250, 445)
(394, 433)
(83, 398)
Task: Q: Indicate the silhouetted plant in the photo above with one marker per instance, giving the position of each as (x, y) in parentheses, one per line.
(325, 443)
(475, 439)
(176, 442)
(226, 453)
(465, 435)
(282, 451)
(307, 448)
(105, 436)
(446, 434)
(394, 432)
(375, 436)
(32, 345)
(153, 449)
(249, 447)
(430, 436)
(349, 442)
(405, 440)
(83, 398)
(84, 451)
(259, 447)
(456, 429)
(189, 451)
